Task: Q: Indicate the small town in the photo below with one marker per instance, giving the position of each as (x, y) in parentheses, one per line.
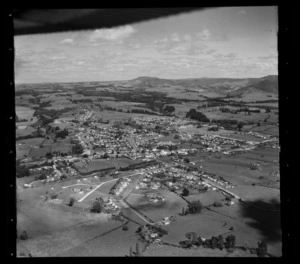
(155, 138)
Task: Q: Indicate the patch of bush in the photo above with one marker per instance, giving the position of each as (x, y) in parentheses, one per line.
(24, 235)
(193, 114)
(71, 202)
(96, 208)
(218, 204)
(195, 207)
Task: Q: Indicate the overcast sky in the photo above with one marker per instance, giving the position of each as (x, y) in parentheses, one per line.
(234, 42)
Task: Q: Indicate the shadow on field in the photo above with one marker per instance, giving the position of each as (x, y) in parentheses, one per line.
(267, 220)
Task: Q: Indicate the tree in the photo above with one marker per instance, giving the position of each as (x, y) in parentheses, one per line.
(130, 252)
(24, 235)
(262, 249)
(138, 249)
(192, 236)
(96, 208)
(230, 241)
(185, 244)
(185, 192)
(169, 108)
(193, 114)
(195, 207)
(220, 244)
(176, 136)
(22, 171)
(71, 202)
(218, 204)
(213, 242)
(77, 148)
(105, 156)
(240, 126)
(42, 176)
(53, 196)
(186, 160)
(268, 110)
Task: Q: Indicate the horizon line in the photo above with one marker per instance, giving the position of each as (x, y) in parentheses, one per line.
(16, 83)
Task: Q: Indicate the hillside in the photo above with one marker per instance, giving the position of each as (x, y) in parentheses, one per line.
(233, 86)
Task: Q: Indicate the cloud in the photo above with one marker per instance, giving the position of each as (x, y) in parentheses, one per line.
(175, 37)
(187, 38)
(206, 35)
(163, 40)
(113, 34)
(268, 57)
(242, 12)
(134, 45)
(67, 41)
(210, 51)
(80, 62)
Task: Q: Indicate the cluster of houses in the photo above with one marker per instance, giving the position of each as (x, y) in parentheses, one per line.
(110, 205)
(171, 122)
(177, 177)
(146, 183)
(255, 134)
(126, 142)
(223, 183)
(151, 233)
(61, 167)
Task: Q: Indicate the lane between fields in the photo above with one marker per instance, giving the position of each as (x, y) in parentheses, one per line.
(80, 200)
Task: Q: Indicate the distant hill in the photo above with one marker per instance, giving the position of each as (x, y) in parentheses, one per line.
(231, 86)
(267, 84)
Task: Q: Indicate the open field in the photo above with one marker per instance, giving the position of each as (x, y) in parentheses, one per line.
(235, 170)
(172, 205)
(207, 198)
(166, 251)
(267, 129)
(115, 243)
(24, 112)
(32, 141)
(205, 224)
(25, 132)
(22, 151)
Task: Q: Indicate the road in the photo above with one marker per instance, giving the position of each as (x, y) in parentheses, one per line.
(95, 189)
(133, 210)
(64, 187)
(131, 187)
(220, 188)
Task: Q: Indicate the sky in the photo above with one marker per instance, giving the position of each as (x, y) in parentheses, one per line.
(231, 42)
